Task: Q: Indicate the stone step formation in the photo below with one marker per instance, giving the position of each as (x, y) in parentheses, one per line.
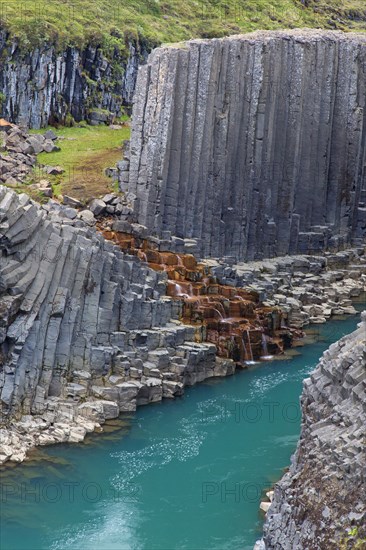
(230, 317)
(302, 289)
(252, 146)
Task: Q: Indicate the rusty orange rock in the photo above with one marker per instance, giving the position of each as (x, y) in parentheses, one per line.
(231, 318)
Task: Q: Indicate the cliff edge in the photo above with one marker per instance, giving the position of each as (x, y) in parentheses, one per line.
(321, 502)
(252, 146)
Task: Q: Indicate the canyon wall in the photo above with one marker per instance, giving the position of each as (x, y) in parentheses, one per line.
(252, 146)
(86, 331)
(321, 502)
(48, 86)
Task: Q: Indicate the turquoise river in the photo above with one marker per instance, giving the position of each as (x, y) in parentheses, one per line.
(184, 474)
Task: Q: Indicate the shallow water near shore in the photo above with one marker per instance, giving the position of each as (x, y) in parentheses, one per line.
(184, 474)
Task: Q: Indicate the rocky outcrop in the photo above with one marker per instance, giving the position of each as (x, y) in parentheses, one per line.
(257, 304)
(252, 146)
(85, 330)
(307, 289)
(48, 86)
(18, 154)
(320, 503)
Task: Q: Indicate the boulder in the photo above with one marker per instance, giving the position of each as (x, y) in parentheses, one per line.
(50, 147)
(71, 201)
(35, 143)
(50, 135)
(53, 170)
(97, 207)
(109, 198)
(87, 216)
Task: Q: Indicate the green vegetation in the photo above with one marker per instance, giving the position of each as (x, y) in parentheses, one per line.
(110, 22)
(352, 540)
(26, 187)
(85, 153)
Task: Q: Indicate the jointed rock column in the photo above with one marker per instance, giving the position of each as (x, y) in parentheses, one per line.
(253, 145)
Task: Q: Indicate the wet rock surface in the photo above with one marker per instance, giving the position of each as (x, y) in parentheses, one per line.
(252, 146)
(303, 289)
(232, 318)
(320, 503)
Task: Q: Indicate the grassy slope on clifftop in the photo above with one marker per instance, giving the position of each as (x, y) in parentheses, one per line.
(108, 22)
(85, 153)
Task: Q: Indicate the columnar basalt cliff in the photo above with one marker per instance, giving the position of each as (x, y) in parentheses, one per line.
(47, 86)
(252, 146)
(85, 331)
(321, 502)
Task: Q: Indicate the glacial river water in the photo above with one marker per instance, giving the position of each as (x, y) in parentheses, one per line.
(184, 474)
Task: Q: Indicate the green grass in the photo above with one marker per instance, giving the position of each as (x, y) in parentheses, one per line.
(110, 22)
(85, 153)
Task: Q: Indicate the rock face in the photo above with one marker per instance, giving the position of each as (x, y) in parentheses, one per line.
(45, 86)
(321, 502)
(85, 330)
(253, 146)
(250, 309)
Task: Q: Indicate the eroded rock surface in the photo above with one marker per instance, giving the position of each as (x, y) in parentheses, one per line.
(47, 85)
(252, 146)
(85, 330)
(321, 502)
(254, 308)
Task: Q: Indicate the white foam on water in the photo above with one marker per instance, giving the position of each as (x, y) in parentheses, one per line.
(135, 463)
(114, 528)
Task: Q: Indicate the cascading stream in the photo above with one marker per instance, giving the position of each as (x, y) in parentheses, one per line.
(231, 318)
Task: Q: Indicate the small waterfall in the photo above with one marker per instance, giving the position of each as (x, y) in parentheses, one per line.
(180, 291)
(245, 348)
(219, 312)
(264, 344)
(250, 347)
(142, 256)
(204, 299)
(266, 355)
(221, 309)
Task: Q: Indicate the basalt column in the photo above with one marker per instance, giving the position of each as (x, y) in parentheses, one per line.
(253, 145)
